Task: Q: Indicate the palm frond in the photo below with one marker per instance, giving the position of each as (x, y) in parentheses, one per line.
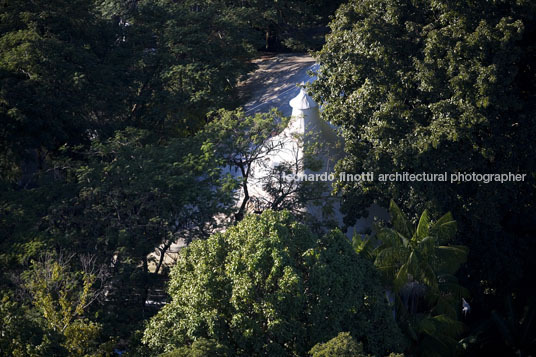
(399, 220)
(363, 247)
(422, 226)
(448, 326)
(389, 260)
(444, 306)
(401, 277)
(422, 270)
(390, 237)
(450, 258)
(426, 246)
(444, 228)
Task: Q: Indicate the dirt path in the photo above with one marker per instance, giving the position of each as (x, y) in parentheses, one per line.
(275, 82)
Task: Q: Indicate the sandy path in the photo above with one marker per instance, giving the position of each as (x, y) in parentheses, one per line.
(275, 82)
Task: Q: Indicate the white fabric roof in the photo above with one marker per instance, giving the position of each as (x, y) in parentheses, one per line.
(302, 101)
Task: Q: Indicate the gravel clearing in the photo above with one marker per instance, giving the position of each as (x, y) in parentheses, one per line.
(275, 82)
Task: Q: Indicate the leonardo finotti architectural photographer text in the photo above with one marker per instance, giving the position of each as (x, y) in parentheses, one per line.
(409, 177)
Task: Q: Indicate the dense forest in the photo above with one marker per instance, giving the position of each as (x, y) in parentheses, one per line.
(121, 120)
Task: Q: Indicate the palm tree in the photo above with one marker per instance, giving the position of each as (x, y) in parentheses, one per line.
(418, 267)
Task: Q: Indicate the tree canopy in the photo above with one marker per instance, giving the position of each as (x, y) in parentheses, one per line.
(122, 141)
(268, 285)
(433, 86)
(418, 264)
(441, 86)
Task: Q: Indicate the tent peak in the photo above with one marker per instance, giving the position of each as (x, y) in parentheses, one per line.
(302, 101)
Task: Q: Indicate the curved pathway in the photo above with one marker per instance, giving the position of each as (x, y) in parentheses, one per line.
(275, 82)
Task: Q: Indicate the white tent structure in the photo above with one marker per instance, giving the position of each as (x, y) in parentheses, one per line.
(307, 132)
(306, 122)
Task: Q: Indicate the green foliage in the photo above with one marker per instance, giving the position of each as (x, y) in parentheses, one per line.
(268, 285)
(406, 253)
(100, 103)
(200, 348)
(240, 142)
(293, 24)
(441, 86)
(343, 345)
(62, 298)
(135, 193)
(57, 323)
(81, 338)
(20, 214)
(132, 196)
(419, 268)
(432, 86)
(69, 73)
(187, 57)
(19, 334)
(238, 137)
(58, 294)
(57, 81)
(245, 144)
(517, 329)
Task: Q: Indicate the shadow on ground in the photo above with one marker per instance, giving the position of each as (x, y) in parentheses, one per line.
(275, 82)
